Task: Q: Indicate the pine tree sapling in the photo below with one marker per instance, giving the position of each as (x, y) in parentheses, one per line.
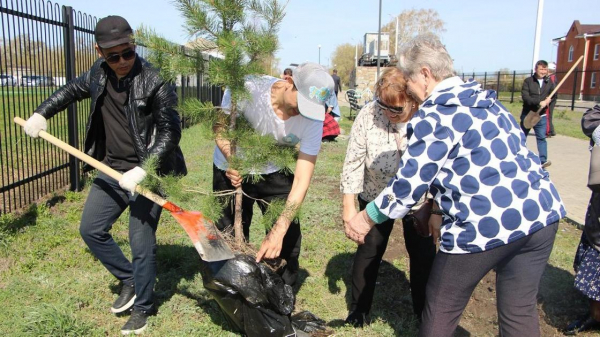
(244, 34)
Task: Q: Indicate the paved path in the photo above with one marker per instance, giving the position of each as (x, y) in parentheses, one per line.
(570, 159)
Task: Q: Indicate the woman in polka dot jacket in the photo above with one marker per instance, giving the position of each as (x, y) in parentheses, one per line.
(500, 209)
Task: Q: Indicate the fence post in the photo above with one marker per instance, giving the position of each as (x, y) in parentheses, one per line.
(512, 90)
(69, 49)
(484, 80)
(574, 88)
(498, 84)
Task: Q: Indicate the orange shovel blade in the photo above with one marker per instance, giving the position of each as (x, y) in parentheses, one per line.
(204, 235)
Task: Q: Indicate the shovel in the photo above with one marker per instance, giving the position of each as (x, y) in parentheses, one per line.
(533, 117)
(204, 234)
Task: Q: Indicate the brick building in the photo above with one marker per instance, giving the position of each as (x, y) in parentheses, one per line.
(580, 40)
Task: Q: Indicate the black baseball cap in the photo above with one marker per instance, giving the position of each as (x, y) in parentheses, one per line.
(112, 31)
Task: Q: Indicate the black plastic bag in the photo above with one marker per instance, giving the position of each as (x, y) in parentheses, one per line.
(254, 299)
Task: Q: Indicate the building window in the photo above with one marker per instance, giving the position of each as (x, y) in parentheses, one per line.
(596, 51)
(571, 54)
(593, 81)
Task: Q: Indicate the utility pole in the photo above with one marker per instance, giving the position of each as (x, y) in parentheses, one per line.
(538, 31)
(319, 54)
(396, 46)
(379, 41)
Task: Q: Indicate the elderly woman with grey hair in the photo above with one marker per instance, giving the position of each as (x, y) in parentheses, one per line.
(500, 210)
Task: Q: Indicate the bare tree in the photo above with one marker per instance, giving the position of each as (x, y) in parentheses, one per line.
(413, 22)
(343, 58)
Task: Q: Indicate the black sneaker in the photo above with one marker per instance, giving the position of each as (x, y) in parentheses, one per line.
(136, 324)
(358, 319)
(125, 300)
(583, 324)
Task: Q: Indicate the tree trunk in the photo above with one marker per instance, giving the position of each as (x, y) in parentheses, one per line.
(237, 223)
(237, 220)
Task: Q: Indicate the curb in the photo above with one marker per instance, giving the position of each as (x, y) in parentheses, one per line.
(575, 223)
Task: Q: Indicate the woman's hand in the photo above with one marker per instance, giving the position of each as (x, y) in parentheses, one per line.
(349, 210)
(358, 227)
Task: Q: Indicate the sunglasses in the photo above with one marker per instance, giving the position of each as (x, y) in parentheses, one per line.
(395, 110)
(126, 55)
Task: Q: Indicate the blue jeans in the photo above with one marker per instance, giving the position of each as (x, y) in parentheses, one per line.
(540, 136)
(105, 203)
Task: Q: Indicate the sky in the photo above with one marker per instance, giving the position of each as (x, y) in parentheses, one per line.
(480, 35)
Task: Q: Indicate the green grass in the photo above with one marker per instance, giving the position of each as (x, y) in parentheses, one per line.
(50, 284)
(566, 122)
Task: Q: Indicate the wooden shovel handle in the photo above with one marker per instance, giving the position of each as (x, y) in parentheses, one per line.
(94, 163)
(565, 77)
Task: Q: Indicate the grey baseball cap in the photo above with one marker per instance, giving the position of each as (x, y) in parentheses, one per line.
(314, 85)
(112, 31)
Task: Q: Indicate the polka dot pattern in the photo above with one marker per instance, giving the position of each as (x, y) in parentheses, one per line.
(470, 153)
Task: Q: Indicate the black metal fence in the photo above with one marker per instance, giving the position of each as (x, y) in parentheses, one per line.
(44, 45)
(508, 84)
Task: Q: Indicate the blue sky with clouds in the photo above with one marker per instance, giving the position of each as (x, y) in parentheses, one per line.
(480, 35)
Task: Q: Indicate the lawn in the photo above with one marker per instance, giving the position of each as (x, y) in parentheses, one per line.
(566, 122)
(50, 284)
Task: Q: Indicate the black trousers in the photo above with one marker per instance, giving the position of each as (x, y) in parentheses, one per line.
(271, 187)
(421, 253)
(519, 267)
(105, 203)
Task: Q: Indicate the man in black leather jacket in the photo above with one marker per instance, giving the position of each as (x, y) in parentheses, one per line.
(132, 117)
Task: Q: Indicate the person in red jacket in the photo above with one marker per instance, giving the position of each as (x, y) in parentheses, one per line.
(550, 125)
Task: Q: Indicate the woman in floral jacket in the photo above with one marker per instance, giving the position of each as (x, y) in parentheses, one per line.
(377, 141)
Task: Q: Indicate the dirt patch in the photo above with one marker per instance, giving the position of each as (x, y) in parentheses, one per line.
(557, 305)
(5, 264)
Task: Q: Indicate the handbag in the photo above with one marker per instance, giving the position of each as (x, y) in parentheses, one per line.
(594, 174)
(421, 216)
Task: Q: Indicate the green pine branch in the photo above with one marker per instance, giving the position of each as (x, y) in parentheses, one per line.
(244, 32)
(169, 57)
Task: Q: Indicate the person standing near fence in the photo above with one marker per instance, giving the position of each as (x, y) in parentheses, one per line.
(535, 93)
(132, 117)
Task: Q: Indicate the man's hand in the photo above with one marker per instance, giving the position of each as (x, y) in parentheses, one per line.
(132, 178)
(358, 227)
(34, 125)
(545, 102)
(235, 177)
(271, 245)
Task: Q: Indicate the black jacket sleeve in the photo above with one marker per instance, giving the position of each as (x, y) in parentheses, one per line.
(167, 121)
(590, 120)
(75, 90)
